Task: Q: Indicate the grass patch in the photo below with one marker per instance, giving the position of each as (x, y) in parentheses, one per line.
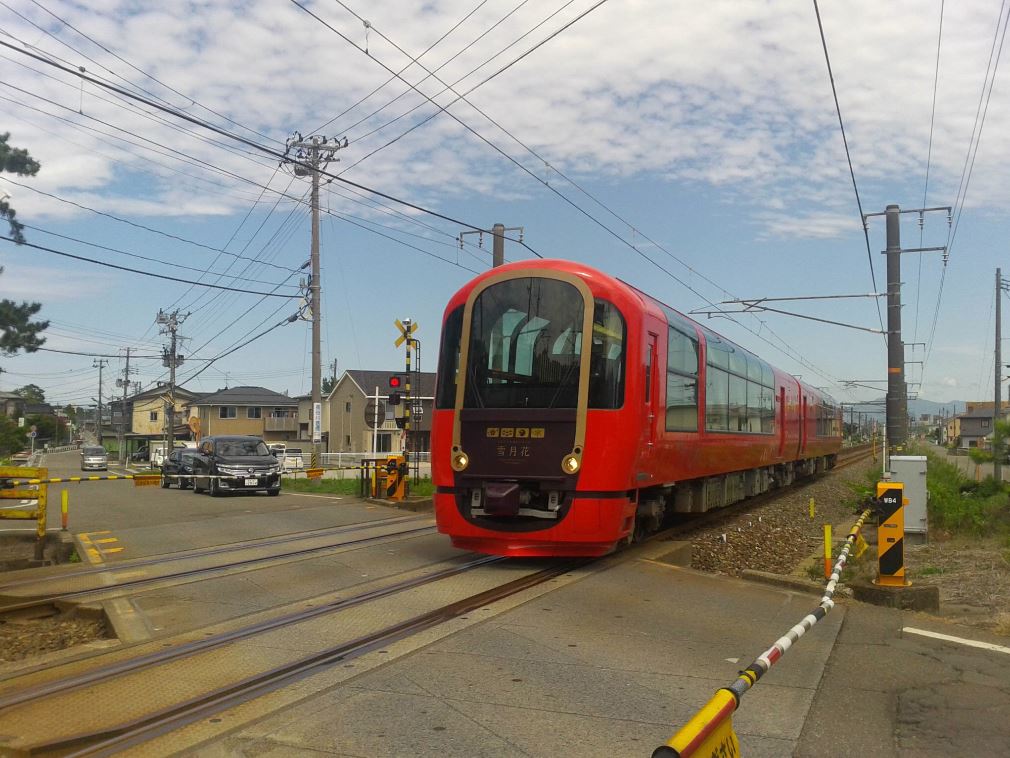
(930, 570)
(350, 487)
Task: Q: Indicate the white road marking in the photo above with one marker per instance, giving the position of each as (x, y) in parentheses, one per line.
(959, 640)
(305, 494)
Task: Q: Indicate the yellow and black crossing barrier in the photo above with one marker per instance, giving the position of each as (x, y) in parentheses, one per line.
(710, 733)
(139, 480)
(39, 495)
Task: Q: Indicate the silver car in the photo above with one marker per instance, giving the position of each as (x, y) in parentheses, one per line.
(94, 458)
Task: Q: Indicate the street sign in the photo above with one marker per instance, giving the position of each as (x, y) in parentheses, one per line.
(370, 414)
(34, 428)
(404, 331)
(317, 422)
(21, 421)
(33, 434)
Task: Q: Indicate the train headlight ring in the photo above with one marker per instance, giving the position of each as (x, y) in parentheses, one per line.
(460, 460)
(571, 464)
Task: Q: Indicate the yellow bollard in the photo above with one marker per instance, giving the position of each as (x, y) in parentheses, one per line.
(64, 503)
(827, 551)
(812, 508)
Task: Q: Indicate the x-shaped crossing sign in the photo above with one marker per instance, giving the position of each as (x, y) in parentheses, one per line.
(405, 331)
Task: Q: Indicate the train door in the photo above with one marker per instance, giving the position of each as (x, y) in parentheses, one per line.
(651, 402)
(782, 421)
(803, 427)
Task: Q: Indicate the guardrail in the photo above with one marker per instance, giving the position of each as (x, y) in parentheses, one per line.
(710, 730)
(62, 449)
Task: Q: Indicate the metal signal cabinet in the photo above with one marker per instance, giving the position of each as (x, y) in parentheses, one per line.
(911, 470)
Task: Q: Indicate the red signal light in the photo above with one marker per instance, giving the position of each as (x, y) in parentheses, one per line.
(395, 382)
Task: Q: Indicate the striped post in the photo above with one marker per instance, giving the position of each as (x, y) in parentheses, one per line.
(827, 551)
(64, 509)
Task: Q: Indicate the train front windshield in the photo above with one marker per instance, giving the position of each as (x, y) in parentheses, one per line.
(525, 348)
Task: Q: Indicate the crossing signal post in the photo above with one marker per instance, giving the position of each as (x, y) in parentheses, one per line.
(407, 329)
(890, 535)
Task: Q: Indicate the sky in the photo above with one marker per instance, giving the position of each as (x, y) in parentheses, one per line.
(691, 149)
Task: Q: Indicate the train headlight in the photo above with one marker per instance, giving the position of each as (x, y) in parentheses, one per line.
(570, 463)
(460, 460)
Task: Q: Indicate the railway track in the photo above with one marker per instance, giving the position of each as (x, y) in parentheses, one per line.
(120, 684)
(11, 603)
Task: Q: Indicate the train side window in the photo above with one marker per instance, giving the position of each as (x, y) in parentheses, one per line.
(448, 360)
(681, 382)
(716, 400)
(737, 403)
(648, 371)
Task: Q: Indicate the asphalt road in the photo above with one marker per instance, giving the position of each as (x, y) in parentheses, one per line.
(167, 520)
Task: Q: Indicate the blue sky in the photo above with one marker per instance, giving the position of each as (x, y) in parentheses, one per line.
(702, 135)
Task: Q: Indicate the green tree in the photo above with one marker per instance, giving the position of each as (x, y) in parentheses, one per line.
(17, 330)
(12, 439)
(32, 393)
(328, 384)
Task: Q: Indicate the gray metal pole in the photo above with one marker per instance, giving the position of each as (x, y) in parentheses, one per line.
(897, 414)
(317, 315)
(122, 410)
(997, 405)
(498, 254)
(170, 410)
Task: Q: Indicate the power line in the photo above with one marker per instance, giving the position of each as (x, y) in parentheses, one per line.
(848, 157)
(143, 273)
(136, 225)
(174, 264)
(239, 138)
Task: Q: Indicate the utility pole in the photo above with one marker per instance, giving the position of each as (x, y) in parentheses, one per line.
(896, 422)
(997, 410)
(125, 384)
(309, 157)
(498, 246)
(100, 364)
(171, 359)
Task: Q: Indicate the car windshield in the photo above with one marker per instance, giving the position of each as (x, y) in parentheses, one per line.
(242, 448)
(94, 451)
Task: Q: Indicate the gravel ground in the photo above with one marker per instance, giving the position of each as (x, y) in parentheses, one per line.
(23, 638)
(973, 574)
(778, 535)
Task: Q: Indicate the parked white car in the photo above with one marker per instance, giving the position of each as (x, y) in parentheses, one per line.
(291, 459)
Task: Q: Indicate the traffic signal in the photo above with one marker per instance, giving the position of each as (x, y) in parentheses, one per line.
(401, 422)
(395, 382)
(394, 398)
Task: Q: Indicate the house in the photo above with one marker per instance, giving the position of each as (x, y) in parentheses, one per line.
(11, 404)
(305, 419)
(352, 413)
(971, 429)
(143, 417)
(249, 410)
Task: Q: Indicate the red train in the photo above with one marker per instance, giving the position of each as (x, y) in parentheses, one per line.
(574, 411)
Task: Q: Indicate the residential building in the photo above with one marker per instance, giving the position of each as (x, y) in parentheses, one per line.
(349, 403)
(11, 404)
(971, 429)
(249, 410)
(145, 415)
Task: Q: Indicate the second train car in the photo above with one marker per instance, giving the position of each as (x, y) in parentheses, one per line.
(574, 412)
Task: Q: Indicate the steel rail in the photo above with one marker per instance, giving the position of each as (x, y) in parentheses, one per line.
(189, 573)
(187, 649)
(112, 741)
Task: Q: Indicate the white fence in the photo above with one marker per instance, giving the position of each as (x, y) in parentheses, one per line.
(62, 449)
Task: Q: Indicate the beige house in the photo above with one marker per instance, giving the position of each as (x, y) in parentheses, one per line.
(255, 411)
(347, 406)
(145, 416)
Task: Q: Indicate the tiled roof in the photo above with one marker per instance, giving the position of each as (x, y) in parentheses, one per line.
(246, 396)
(369, 380)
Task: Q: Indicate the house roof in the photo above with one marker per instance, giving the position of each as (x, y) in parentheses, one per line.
(367, 381)
(161, 389)
(246, 396)
(979, 413)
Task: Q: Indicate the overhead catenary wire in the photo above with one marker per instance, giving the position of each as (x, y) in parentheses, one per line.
(848, 158)
(443, 109)
(925, 186)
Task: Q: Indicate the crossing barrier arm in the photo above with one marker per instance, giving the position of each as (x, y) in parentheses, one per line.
(710, 733)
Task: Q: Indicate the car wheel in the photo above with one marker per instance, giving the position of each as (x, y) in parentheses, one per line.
(196, 487)
(185, 484)
(164, 482)
(274, 492)
(213, 488)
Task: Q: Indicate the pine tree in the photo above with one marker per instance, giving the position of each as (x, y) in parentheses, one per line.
(17, 330)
